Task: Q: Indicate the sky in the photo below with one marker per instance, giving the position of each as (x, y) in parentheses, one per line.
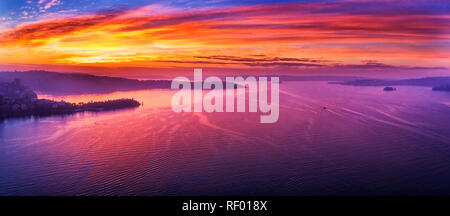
(148, 36)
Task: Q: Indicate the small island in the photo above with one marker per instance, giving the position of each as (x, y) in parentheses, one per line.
(389, 88)
(17, 100)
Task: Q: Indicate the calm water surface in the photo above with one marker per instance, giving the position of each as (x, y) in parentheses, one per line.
(367, 142)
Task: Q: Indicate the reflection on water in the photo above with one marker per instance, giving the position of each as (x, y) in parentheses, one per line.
(367, 141)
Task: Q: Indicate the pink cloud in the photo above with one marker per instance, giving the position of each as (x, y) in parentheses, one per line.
(48, 4)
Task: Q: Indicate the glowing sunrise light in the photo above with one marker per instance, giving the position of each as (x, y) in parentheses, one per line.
(295, 35)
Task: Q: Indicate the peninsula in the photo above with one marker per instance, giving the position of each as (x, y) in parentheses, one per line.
(17, 100)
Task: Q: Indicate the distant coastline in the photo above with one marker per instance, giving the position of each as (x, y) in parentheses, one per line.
(56, 83)
(442, 88)
(78, 83)
(437, 83)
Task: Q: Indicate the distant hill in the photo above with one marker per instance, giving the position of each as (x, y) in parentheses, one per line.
(442, 88)
(438, 83)
(427, 81)
(320, 78)
(77, 83)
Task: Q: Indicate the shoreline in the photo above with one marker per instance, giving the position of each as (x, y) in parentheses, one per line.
(17, 100)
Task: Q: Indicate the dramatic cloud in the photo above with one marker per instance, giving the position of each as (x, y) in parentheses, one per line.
(41, 31)
(282, 35)
(261, 61)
